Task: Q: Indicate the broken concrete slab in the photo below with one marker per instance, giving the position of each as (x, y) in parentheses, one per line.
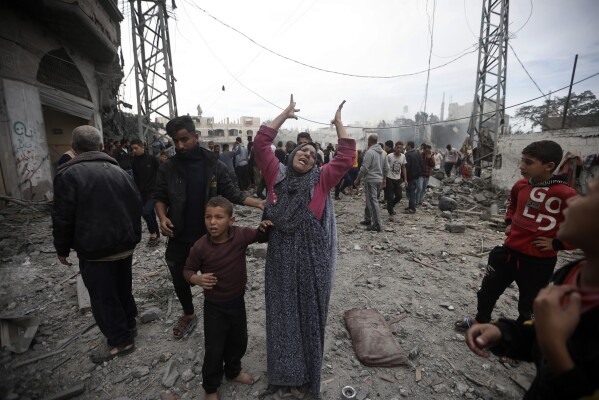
(455, 227)
(170, 375)
(434, 182)
(17, 333)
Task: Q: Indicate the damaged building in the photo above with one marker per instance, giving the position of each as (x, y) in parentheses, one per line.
(59, 68)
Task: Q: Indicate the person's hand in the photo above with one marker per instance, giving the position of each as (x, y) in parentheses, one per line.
(265, 225)
(383, 184)
(290, 111)
(357, 182)
(543, 243)
(206, 281)
(252, 202)
(404, 184)
(166, 226)
(557, 313)
(337, 119)
(63, 261)
(508, 229)
(481, 336)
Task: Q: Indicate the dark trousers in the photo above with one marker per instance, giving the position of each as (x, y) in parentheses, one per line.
(392, 194)
(243, 176)
(148, 214)
(347, 181)
(176, 255)
(506, 266)
(225, 341)
(448, 167)
(411, 189)
(113, 305)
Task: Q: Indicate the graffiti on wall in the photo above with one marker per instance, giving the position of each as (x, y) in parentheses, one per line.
(29, 156)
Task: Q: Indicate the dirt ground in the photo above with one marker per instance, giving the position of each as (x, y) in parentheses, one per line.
(374, 270)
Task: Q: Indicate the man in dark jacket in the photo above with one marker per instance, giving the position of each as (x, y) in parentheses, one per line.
(122, 156)
(145, 168)
(183, 185)
(97, 212)
(414, 167)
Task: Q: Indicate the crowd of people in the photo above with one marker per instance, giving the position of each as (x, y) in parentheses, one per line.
(100, 198)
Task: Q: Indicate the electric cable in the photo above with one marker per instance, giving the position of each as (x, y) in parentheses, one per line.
(525, 70)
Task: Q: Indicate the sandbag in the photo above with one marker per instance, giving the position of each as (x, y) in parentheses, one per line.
(372, 340)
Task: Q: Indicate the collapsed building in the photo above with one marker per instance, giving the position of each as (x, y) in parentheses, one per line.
(59, 68)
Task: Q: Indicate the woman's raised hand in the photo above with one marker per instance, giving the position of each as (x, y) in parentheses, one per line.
(291, 110)
(337, 119)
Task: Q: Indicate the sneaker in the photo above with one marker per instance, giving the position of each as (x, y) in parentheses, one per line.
(371, 228)
(364, 223)
(337, 198)
(410, 211)
(153, 242)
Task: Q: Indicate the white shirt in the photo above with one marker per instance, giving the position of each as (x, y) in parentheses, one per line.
(395, 164)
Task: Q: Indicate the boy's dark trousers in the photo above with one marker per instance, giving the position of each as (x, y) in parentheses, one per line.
(225, 341)
(506, 266)
(176, 255)
(392, 194)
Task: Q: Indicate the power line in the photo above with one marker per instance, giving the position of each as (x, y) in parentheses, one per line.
(525, 70)
(324, 69)
(528, 19)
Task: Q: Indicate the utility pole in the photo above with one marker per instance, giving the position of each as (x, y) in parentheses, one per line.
(488, 109)
(154, 79)
(569, 93)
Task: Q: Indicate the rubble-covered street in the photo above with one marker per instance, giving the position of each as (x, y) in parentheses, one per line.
(426, 266)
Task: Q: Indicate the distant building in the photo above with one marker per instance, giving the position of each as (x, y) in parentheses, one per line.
(59, 68)
(224, 131)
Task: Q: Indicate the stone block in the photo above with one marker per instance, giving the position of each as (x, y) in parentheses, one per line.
(150, 315)
(447, 204)
(434, 182)
(455, 228)
(170, 375)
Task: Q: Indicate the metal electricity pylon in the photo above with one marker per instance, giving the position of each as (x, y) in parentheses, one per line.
(488, 110)
(154, 80)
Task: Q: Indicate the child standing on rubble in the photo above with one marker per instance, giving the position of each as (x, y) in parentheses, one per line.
(562, 340)
(529, 253)
(216, 263)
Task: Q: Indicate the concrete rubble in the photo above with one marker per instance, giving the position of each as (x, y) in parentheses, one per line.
(414, 268)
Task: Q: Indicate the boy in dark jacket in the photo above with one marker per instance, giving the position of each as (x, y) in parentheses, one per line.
(529, 253)
(216, 263)
(562, 339)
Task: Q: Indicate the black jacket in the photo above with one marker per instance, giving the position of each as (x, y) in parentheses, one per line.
(414, 165)
(145, 168)
(519, 342)
(123, 157)
(171, 186)
(96, 210)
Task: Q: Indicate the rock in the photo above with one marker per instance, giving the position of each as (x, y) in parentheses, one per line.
(441, 388)
(461, 388)
(434, 182)
(150, 315)
(415, 352)
(187, 375)
(447, 215)
(170, 375)
(447, 204)
(455, 228)
(439, 175)
(480, 197)
(458, 180)
(374, 280)
(357, 247)
(259, 250)
(138, 372)
(362, 394)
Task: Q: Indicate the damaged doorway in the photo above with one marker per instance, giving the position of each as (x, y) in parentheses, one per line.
(59, 127)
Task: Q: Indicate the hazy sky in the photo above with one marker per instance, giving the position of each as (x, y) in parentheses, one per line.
(376, 38)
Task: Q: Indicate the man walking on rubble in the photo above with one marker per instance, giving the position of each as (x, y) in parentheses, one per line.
(414, 168)
(183, 186)
(97, 212)
(145, 167)
(373, 172)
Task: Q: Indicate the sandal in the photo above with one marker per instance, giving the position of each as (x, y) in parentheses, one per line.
(106, 354)
(464, 324)
(185, 326)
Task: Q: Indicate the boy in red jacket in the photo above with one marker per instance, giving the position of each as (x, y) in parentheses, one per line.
(529, 253)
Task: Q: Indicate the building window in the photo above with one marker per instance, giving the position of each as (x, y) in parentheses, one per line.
(219, 132)
(250, 132)
(57, 69)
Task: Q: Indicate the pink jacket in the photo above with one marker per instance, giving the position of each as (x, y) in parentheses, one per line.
(330, 173)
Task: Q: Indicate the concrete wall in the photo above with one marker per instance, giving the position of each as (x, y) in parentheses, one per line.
(580, 141)
(28, 142)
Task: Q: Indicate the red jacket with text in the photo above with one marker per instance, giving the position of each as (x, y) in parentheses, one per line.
(536, 210)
